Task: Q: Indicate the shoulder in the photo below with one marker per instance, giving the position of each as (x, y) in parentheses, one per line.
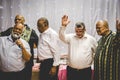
(7, 30)
(33, 32)
(27, 27)
(10, 28)
(52, 31)
(52, 34)
(91, 38)
(71, 35)
(114, 33)
(30, 29)
(3, 38)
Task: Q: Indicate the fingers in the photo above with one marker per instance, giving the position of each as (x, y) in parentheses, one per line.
(65, 18)
(19, 43)
(52, 71)
(65, 21)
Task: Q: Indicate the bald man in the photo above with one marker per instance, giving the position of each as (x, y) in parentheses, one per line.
(14, 53)
(30, 36)
(103, 65)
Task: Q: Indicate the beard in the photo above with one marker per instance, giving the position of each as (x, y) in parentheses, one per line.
(15, 35)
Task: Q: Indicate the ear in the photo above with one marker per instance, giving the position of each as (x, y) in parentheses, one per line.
(23, 21)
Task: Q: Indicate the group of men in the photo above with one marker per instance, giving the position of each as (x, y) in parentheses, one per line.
(17, 51)
(18, 42)
(27, 34)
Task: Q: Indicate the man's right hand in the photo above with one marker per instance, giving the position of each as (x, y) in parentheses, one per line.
(65, 21)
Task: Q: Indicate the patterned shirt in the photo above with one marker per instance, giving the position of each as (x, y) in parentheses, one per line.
(103, 58)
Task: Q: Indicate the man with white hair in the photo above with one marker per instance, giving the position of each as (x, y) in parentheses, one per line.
(14, 53)
(30, 36)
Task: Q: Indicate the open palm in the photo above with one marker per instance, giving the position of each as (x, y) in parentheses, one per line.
(65, 20)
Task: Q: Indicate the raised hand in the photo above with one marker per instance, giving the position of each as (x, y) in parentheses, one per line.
(65, 21)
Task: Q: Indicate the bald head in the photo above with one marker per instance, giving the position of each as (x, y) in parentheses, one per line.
(102, 27)
(19, 19)
(42, 24)
(102, 23)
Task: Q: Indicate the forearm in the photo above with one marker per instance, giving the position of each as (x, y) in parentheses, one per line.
(26, 54)
(25, 49)
(62, 35)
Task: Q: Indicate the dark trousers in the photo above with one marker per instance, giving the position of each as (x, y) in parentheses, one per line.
(12, 75)
(82, 74)
(28, 72)
(45, 68)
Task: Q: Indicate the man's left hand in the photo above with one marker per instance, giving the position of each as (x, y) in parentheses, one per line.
(53, 71)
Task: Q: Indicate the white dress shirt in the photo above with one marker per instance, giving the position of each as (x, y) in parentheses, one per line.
(48, 46)
(81, 50)
(11, 59)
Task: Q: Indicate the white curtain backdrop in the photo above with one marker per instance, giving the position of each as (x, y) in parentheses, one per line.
(87, 11)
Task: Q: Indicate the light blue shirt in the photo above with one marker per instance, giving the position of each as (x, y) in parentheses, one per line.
(11, 59)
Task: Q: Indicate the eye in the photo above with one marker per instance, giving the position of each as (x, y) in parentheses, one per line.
(18, 19)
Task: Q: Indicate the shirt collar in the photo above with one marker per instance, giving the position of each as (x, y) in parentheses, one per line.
(46, 31)
(84, 36)
(9, 38)
(107, 34)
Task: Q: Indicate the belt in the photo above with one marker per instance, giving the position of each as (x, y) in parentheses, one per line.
(41, 61)
(78, 69)
(11, 71)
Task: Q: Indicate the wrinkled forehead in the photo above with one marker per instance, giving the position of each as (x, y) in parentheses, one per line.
(99, 25)
(19, 18)
(41, 21)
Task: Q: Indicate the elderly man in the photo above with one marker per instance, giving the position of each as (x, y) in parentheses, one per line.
(103, 62)
(30, 36)
(14, 53)
(48, 50)
(116, 53)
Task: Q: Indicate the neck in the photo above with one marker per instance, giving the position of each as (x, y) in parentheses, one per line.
(14, 39)
(107, 33)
